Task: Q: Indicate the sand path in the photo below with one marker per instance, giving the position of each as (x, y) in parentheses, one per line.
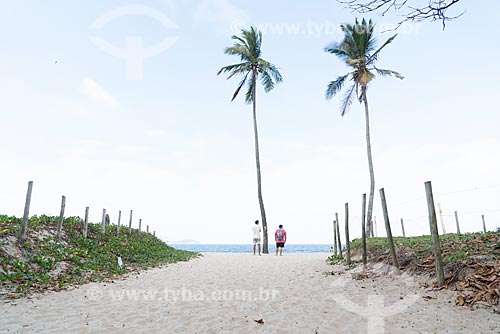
(225, 293)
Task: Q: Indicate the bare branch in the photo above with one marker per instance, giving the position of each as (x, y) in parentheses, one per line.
(414, 10)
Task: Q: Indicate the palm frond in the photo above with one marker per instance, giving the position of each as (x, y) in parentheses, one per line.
(274, 73)
(373, 57)
(267, 81)
(335, 86)
(336, 49)
(385, 73)
(233, 68)
(251, 84)
(239, 50)
(242, 83)
(347, 100)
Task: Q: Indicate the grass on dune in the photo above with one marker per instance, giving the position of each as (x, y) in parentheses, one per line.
(41, 262)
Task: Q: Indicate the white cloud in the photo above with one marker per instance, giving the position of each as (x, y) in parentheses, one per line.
(97, 94)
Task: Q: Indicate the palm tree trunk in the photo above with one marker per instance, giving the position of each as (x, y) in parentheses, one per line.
(265, 248)
(370, 166)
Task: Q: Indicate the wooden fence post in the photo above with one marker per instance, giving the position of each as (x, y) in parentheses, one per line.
(375, 226)
(347, 245)
(130, 222)
(363, 229)
(119, 222)
(390, 241)
(103, 221)
(403, 228)
(24, 226)
(434, 233)
(339, 243)
(86, 222)
(147, 228)
(484, 223)
(154, 233)
(458, 224)
(335, 237)
(61, 218)
(443, 228)
(140, 223)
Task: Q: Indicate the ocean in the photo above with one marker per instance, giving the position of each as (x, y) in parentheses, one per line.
(241, 248)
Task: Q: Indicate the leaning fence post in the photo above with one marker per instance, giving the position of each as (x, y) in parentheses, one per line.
(458, 224)
(484, 223)
(339, 243)
(119, 222)
(434, 233)
(403, 228)
(61, 218)
(335, 237)
(130, 222)
(347, 245)
(103, 221)
(24, 227)
(86, 222)
(390, 241)
(363, 230)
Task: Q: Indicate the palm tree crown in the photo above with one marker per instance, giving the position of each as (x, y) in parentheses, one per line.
(358, 51)
(248, 48)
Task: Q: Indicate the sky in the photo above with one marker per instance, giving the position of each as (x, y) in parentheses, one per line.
(117, 105)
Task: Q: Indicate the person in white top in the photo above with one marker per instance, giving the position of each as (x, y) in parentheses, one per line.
(256, 236)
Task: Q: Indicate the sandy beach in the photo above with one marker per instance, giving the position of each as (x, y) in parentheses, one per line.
(226, 293)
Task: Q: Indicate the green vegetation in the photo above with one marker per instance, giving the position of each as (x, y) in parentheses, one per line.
(41, 263)
(416, 254)
(454, 247)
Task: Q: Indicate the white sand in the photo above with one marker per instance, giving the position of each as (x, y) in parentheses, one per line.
(208, 295)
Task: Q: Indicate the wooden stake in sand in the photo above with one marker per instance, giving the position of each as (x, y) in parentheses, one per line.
(347, 245)
(86, 222)
(389, 233)
(24, 226)
(458, 224)
(441, 218)
(61, 218)
(403, 228)
(339, 243)
(363, 229)
(119, 222)
(436, 245)
(484, 224)
(335, 237)
(103, 221)
(130, 222)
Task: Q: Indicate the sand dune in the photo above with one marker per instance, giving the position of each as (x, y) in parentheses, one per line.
(226, 293)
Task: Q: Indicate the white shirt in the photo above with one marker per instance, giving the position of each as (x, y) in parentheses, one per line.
(256, 231)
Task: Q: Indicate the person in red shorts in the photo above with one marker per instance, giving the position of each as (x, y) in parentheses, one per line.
(280, 237)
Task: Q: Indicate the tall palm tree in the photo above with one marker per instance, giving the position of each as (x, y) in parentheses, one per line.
(358, 50)
(252, 67)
